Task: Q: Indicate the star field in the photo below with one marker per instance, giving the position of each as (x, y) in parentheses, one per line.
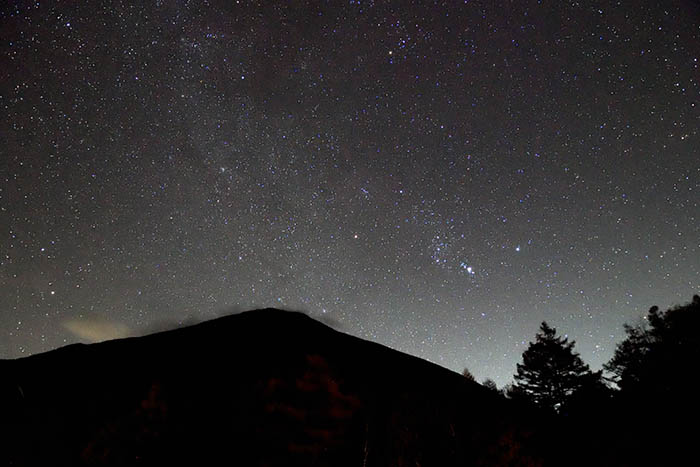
(438, 177)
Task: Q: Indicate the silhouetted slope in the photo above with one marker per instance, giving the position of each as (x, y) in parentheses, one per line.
(260, 388)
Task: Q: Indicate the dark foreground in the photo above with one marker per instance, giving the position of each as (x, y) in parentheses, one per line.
(268, 388)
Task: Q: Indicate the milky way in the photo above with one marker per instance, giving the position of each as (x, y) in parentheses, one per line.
(438, 177)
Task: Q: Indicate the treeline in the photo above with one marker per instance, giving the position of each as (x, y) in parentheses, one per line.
(643, 411)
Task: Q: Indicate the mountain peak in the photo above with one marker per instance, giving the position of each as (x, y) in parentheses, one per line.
(263, 387)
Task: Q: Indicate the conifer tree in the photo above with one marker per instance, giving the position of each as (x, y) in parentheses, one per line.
(654, 368)
(468, 374)
(488, 383)
(551, 371)
(656, 357)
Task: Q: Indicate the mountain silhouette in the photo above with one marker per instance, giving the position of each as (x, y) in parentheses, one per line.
(259, 388)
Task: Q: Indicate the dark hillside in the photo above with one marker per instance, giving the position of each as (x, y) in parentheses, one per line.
(265, 387)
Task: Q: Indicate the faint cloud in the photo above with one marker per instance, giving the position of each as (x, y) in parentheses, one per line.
(96, 328)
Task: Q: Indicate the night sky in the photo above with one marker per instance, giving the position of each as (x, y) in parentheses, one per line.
(438, 177)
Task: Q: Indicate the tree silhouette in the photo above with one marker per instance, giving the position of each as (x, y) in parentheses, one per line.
(468, 374)
(654, 367)
(551, 371)
(656, 356)
(626, 364)
(490, 384)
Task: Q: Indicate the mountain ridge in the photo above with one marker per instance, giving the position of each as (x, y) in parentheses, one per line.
(274, 387)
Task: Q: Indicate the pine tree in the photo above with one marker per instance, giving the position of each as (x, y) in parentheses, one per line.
(468, 374)
(657, 356)
(488, 383)
(551, 371)
(654, 369)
